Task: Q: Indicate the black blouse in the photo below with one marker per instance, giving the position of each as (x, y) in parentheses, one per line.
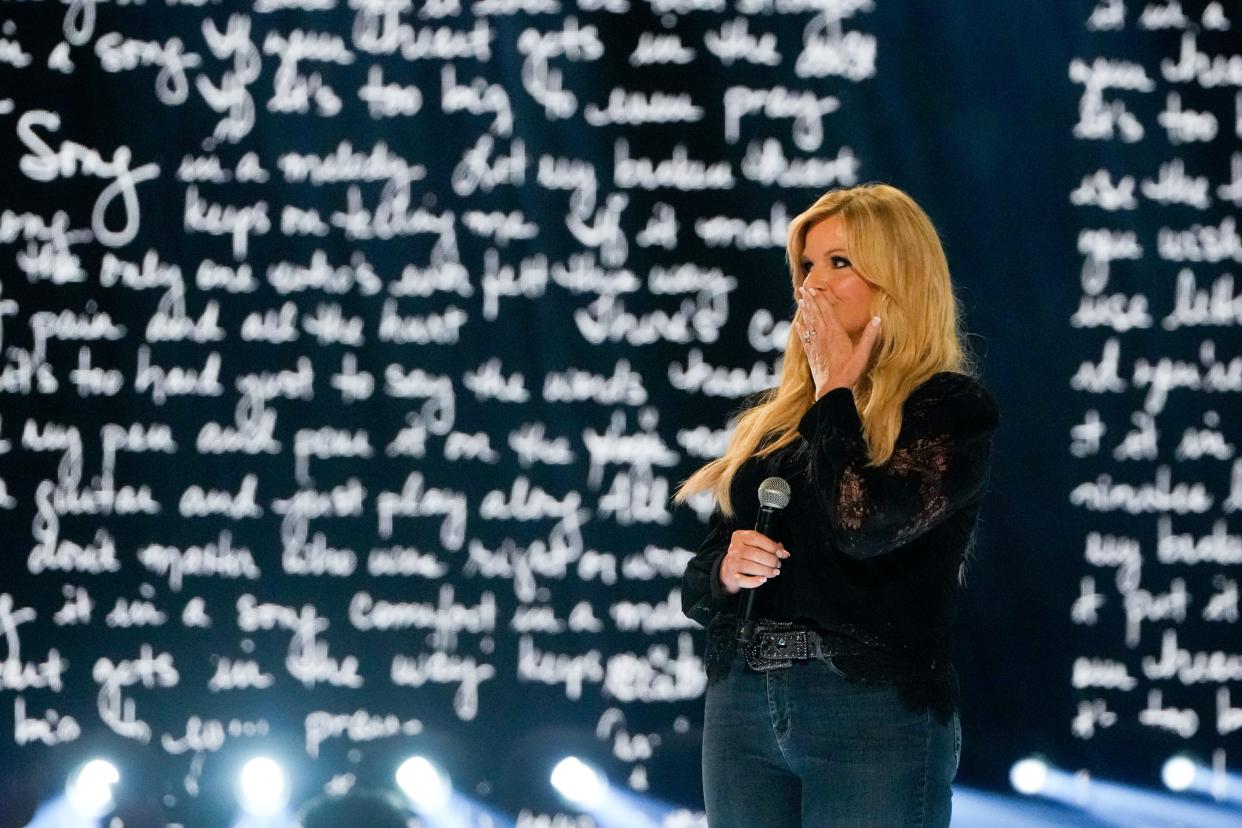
(874, 552)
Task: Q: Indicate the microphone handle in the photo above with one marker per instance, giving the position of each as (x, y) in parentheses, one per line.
(746, 624)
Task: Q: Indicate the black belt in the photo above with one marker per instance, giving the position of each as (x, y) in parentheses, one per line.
(780, 643)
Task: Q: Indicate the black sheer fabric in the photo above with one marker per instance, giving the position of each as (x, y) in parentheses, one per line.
(875, 552)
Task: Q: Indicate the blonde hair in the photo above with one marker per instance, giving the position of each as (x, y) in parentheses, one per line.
(894, 246)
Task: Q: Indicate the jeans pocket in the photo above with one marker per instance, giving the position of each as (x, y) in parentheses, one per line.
(833, 668)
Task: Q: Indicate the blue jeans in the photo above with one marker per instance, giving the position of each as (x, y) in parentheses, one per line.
(802, 747)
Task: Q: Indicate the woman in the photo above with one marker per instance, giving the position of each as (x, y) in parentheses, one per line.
(844, 710)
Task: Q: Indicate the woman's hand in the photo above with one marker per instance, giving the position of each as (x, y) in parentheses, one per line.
(752, 558)
(834, 359)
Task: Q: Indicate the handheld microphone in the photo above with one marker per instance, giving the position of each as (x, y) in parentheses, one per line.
(773, 497)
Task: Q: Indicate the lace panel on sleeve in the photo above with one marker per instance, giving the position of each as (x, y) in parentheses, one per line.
(925, 462)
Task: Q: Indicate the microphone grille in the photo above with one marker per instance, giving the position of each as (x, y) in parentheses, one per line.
(774, 492)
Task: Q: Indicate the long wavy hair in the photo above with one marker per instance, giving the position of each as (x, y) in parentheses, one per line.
(894, 246)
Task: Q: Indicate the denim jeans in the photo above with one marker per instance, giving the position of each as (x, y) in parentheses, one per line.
(802, 747)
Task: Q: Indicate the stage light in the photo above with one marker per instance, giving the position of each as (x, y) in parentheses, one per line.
(263, 788)
(89, 790)
(427, 786)
(1178, 772)
(1184, 772)
(578, 782)
(1028, 776)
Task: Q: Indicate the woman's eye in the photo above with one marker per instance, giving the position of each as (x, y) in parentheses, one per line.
(806, 266)
(835, 259)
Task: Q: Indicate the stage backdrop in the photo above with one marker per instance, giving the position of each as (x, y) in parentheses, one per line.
(350, 353)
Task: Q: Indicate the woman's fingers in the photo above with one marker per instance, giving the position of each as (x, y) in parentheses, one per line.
(769, 566)
(815, 306)
(760, 556)
(827, 314)
(811, 312)
(750, 581)
(753, 558)
(755, 562)
(755, 538)
(830, 337)
(750, 574)
(808, 346)
(866, 344)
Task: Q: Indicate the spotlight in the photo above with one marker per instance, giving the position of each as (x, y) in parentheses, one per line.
(89, 789)
(1028, 776)
(1178, 772)
(579, 782)
(427, 786)
(263, 788)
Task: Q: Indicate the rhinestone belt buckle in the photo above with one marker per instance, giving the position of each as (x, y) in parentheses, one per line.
(783, 644)
(772, 649)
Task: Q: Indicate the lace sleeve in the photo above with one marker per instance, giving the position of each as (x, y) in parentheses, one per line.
(702, 594)
(940, 463)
